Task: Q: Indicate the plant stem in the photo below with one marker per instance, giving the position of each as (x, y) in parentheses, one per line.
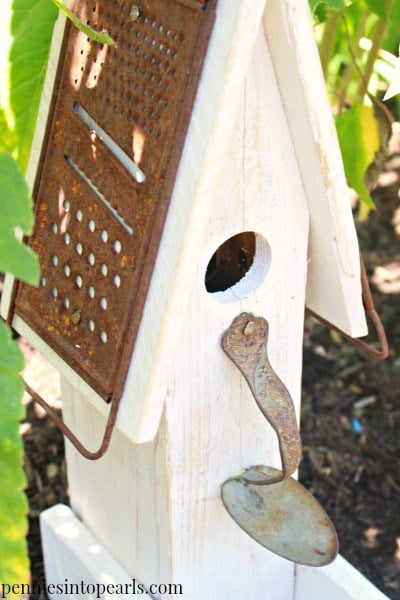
(355, 52)
(328, 41)
(377, 39)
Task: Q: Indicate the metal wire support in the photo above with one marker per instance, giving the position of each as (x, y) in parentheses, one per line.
(369, 307)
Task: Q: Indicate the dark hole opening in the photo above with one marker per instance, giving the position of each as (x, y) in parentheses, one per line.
(231, 261)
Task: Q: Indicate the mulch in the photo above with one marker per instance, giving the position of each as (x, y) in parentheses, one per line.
(350, 420)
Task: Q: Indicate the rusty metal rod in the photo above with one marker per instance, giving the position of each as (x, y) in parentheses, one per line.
(70, 435)
(368, 302)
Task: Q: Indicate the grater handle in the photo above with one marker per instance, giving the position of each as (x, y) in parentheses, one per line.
(369, 307)
(70, 435)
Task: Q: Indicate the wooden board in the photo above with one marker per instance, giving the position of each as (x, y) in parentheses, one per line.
(338, 581)
(73, 553)
(333, 282)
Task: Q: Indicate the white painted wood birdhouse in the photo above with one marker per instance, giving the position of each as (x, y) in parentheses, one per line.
(186, 176)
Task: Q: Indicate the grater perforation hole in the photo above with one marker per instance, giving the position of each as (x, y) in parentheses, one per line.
(104, 270)
(103, 337)
(117, 281)
(92, 225)
(117, 246)
(54, 228)
(91, 326)
(54, 260)
(103, 303)
(79, 248)
(43, 281)
(79, 281)
(79, 215)
(67, 238)
(54, 292)
(91, 259)
(66, 303)
(67, 270)
(66, 205)
(91, 292)
(104, 236)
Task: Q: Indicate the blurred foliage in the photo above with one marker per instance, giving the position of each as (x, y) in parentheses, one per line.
(358, 43)
(26, 28)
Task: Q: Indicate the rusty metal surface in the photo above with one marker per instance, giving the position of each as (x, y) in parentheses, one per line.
(245, 342)
(98, 226)
(282, 516)
(274, 509)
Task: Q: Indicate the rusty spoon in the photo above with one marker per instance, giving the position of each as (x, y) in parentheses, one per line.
(268, 504)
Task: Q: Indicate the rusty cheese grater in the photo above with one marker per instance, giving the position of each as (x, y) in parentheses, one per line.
(114, 138)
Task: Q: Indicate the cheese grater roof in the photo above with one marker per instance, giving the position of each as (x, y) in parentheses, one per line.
(115, 135)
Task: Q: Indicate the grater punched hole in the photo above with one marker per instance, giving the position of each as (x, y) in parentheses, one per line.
(123, 158)
(54, 292)
(79, 281)
(43, 281)
(103, 337)
(101, 197)
(54, 228)
(67, 270)
(103, 303)
(67, 238)
(79, 215)
(104, 270)
(104, 236)
(54, 260)
(91, 292)
(79, 248)
(66, 302)
(91, 325)
(117, 246)
(117, 281)
(91, 259)
(66, 205)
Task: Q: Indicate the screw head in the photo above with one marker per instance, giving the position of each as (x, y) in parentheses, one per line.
(135, 13)
(76, 317)
(249, 328)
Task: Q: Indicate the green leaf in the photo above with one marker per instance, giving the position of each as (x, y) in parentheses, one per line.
(322, 9)
(14, 564)
(31, 27)
(16, 211)
(330, 4)
(378, 7)
(359, 139)
(8, 140)
(97, 36)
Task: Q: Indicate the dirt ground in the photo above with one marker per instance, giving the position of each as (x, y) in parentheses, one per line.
(350, 418)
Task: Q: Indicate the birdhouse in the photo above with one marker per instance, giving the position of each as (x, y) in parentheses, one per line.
(190, 203)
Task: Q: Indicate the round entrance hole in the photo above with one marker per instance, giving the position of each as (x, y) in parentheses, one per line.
(238, 267)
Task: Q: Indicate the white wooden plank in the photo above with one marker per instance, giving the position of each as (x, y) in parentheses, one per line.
(121, 498)
(337, 581)
(200, 170)
(73, 555)
(214, 426)
(157, 506)
(37, 142)
(333, 287)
